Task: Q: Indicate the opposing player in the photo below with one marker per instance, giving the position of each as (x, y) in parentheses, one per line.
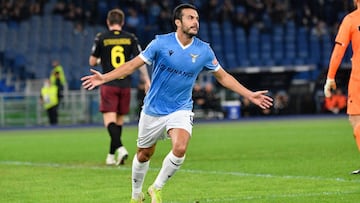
(113, 48)
(177, 60)
(349, 31)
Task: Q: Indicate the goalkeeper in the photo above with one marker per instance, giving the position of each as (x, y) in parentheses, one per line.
(349, 31)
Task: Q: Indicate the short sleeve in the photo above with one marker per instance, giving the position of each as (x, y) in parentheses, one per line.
(212, 64)
(344, 36)
(149, 53)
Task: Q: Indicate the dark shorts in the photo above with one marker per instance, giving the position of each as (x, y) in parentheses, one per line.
(114, 99)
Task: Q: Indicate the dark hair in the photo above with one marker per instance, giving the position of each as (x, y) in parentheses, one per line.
(177, 13)
(116, 16)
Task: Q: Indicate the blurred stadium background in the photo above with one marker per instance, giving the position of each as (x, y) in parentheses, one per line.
(280, 45)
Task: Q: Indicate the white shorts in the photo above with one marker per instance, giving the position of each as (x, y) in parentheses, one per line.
(154, 128)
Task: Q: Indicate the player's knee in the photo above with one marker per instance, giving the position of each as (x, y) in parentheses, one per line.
(357, 130)
(144, 155)
(179, 151)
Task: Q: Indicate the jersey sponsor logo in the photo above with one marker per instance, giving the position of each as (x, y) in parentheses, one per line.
(193, 57)
(171, 52)
(175, 71)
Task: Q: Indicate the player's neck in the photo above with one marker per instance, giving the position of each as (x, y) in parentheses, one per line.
(184, 38)
(115, 27)
(357, 4)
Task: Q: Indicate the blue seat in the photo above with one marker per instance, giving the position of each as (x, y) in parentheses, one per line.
(204, 32)
(265, 47)
(290, 51)
(314, 49)
(3, 40)
(241, 51)
(241, 45)
(256, 62)
(215, 35)
(299, 61)
(254, 53)
(278, 30)
(244, 63)
(287, 61)
(227, 26)
(326, 47)
(229, 42)
(302, 43)
(254, 44)
(290, 27)
(268, 62)
(253, 47)
(19, 67)
(278, 46)
(9, 57)
(231, 61)
(5, 88)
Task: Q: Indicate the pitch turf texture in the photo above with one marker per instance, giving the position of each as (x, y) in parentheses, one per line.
(283, 160)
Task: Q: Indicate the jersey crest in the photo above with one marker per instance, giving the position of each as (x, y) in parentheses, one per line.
(193, 57)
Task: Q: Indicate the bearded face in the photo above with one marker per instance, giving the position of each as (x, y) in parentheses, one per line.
(189, 23)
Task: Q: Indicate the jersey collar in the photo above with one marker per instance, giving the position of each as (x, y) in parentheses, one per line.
(182, 46)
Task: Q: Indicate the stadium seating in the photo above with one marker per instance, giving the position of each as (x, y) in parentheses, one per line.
(314, 49)
(253, 47)
(48, 37)
(302, 42)
(229, 48)
(204, 31)
(241, 45)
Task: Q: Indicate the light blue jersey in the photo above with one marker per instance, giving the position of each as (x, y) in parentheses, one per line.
(175, 69)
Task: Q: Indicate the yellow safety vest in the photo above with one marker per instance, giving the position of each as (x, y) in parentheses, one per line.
(60, 70)
(49, 96)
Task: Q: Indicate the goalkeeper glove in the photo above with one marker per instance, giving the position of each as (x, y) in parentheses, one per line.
(329, 85)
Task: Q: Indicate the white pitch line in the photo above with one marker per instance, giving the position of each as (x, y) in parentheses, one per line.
(126, 168)
(269, 175)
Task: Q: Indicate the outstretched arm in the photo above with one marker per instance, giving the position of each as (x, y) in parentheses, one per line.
(259, 98)
(91, 81)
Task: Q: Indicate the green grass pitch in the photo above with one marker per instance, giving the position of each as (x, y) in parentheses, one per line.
(284, 160)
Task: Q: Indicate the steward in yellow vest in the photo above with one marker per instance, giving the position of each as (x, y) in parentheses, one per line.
(57, 69)
(50, 101)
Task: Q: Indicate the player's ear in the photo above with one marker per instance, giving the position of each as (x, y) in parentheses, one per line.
(177, 23)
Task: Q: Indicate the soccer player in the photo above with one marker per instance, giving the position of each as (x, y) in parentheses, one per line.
(177, 59)
(349, 31)
(113, 48)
